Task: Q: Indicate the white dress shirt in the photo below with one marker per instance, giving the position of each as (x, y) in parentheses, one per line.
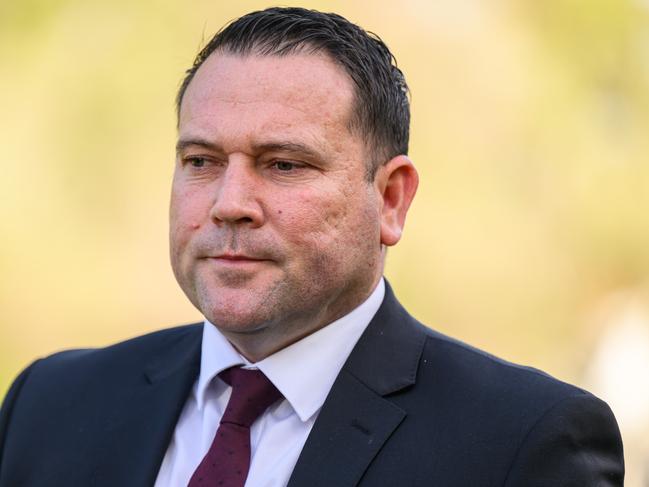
(304, 372)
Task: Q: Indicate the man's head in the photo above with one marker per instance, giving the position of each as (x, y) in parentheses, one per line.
(380, 110)
(276, 230)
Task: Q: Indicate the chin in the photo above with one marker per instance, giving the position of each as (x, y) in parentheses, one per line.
(239, 308)
(229, 316)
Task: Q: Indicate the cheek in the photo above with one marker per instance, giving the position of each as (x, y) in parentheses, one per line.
(187, 213)
(310, 220)
(329, 224)
(189, 209)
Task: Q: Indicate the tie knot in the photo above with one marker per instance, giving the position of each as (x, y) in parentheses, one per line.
(252, 393)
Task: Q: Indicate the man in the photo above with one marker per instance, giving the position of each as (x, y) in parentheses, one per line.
(290, 182)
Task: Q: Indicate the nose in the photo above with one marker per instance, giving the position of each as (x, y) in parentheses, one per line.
(237, 195)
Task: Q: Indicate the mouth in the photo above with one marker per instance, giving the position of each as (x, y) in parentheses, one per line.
(235, 259)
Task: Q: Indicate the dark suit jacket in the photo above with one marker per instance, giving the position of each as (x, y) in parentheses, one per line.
(410, 407)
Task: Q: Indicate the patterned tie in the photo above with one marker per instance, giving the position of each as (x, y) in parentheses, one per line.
(227, 462)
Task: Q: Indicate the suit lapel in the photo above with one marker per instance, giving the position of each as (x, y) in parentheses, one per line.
(356, 419)
(348, 433)
(137, 436)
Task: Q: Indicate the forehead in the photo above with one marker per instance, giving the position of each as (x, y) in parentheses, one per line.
(300, 88)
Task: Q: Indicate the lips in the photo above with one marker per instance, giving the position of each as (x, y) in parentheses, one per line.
(237, 258)
(217, 251)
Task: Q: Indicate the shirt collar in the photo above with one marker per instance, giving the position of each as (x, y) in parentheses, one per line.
(305, 371)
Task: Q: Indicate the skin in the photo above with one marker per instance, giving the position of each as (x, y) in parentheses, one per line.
(274, 230)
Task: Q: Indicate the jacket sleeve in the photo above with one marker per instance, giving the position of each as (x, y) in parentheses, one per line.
(576, 443)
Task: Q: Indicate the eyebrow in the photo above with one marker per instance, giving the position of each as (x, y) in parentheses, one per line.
(258, 147)
(184, 143)
(286, 147)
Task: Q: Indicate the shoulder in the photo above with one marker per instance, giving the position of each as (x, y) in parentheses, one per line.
(485, 386)
(122, 354)
(63, 404)
(469, 415)
(526, 422)
(79, 369)
(396, 345)
(454, 363)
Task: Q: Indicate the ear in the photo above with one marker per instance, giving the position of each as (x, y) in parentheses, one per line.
(396, 181)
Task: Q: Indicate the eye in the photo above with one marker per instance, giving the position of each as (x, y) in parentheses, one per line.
(196, 161)
(285, 166)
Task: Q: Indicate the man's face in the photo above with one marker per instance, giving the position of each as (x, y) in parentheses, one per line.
(274, 229)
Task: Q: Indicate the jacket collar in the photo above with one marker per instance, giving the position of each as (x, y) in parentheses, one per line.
(387, 356)
(176, 352)
(135, 437)
(357, 419)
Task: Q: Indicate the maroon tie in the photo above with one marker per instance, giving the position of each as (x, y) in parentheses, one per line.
(227, 461)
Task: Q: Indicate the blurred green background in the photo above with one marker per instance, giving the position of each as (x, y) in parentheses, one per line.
(529, 236)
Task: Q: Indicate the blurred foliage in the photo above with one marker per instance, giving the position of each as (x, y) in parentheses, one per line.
(530, 123)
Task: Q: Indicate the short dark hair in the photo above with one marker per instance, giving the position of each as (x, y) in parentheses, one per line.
(381, 111)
